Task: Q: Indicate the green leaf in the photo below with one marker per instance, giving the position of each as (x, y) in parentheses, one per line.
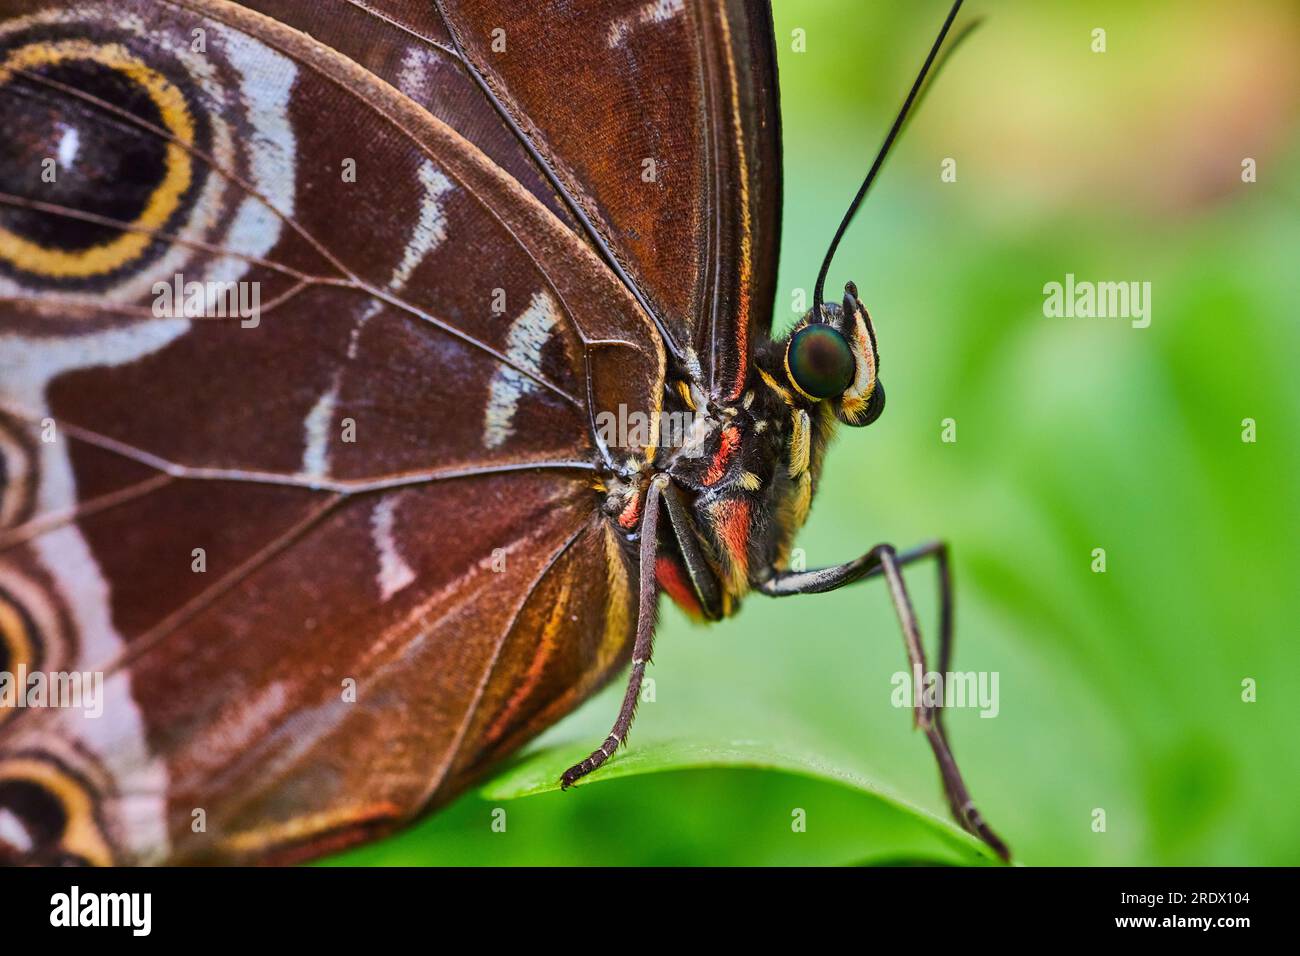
(539, 772)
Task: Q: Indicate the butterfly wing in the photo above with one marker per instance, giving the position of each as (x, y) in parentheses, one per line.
(332, 555)
(661, 120)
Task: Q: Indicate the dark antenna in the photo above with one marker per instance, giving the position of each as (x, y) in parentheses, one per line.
(884, 151)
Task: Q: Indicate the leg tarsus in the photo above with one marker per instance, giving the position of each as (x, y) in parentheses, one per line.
(644, 644)
(930, 718)
(598, 757)
(884, 560)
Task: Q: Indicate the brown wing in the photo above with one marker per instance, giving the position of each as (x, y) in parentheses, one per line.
(658, 118)
(316, 550)
(406, 43)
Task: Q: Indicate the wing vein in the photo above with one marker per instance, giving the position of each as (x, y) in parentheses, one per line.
(578, 209)
(340, 486)
(459, 741)
(52, 520)
(297, 227)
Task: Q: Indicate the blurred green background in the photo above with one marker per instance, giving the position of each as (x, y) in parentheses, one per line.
(1119, 691)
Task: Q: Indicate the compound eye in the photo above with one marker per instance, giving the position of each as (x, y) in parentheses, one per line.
(819, 362)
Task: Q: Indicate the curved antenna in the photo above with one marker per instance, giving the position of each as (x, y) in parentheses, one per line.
(885, 147)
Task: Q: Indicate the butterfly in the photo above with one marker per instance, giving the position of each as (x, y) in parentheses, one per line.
(367, 371)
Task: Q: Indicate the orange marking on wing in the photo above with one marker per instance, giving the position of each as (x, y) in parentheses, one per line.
(616, 643)
(746, 259)
(305, 837)
(677, 586)
(546, 647)
(718, 467)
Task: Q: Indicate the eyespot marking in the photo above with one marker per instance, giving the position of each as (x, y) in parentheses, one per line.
(60, 247)
(48, 815)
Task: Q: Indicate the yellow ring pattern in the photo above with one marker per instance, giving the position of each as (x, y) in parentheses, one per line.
(97, 260)
(16, 640)
(81, 836)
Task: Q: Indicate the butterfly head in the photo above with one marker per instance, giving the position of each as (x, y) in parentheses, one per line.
(832, 357)
(764, 457)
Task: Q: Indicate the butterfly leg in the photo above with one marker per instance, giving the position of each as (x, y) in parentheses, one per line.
(883, 560)
(645, 629)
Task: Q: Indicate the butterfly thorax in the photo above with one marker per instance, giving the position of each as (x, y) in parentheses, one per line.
(745, 472)
(749, 482)
(745, 469)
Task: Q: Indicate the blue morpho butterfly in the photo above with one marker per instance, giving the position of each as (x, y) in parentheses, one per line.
(312, 322)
